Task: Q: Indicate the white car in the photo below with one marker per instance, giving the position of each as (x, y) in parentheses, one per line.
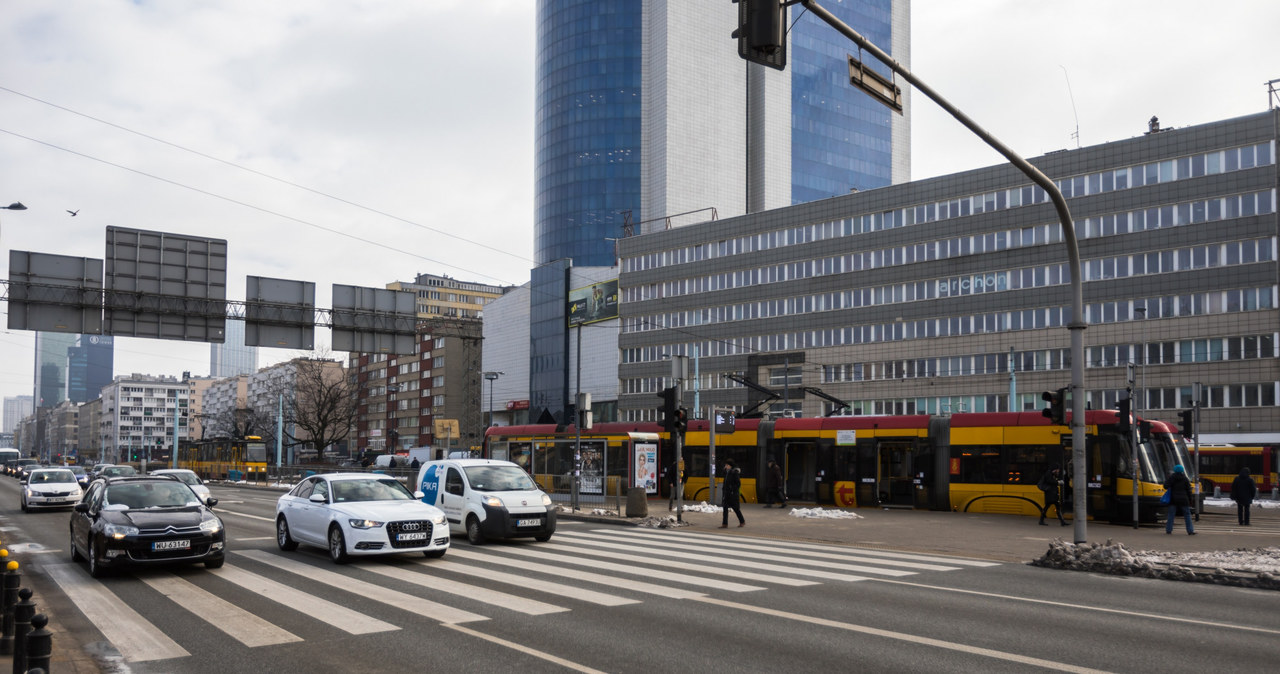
(50, 488)
(189, 478)
(356, 514)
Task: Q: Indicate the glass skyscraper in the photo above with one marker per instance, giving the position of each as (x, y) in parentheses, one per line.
(232, 357)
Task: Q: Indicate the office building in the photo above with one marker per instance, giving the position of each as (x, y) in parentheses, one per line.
(51, 367)
(90, 366)
(953, 294)
(16, 408)
(232, 357)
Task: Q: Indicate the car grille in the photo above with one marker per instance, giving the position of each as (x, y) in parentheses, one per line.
(172, 531)
(54, 493)
(394, 529)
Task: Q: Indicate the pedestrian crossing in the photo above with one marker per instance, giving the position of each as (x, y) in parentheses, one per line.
(582, 564)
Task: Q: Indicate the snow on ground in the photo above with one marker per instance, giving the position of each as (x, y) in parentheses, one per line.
(823, 514)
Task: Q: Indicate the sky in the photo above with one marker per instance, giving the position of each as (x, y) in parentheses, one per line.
(361, 142)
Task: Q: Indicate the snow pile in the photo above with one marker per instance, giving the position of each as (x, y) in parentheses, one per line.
(1244, 567)
(668, 522)
(821, 514)
(703, 507)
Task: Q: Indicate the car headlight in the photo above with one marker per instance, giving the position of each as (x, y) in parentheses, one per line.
(211, 526)
(30, 493)
(546, 500)
(364, 524)
(438, 519)
(118, 531)
(493, 501)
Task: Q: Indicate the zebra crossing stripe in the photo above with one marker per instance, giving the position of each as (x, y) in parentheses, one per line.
(234, 621)
(497, 555)
(312, 606)
(604, 547)
(134, 637)
(687, 553)
(401, 600)
(541, 552)
(475, 592)
(955, 561)
(558, 589)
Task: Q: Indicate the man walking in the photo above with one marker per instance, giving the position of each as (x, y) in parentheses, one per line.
(732, 485)
(1051, 485)
(1243, 489)
(773, 485)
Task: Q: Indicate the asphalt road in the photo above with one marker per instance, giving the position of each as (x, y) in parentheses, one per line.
(624, 599)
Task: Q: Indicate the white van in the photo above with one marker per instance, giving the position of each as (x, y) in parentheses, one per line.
(487, 499)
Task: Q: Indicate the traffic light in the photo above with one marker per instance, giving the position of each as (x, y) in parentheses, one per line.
(667, 413)
(762, 32)
(1188, 425)
(681, 420)
(1056, 412)
(1123, 421)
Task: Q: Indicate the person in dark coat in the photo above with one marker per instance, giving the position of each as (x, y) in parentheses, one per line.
(732, 487)
(1243, 490)
(1180, 498)
(669, 477)
(415, 465)
(773, 485)
(1051, 484)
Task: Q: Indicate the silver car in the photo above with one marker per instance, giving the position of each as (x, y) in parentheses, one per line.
(189, 478)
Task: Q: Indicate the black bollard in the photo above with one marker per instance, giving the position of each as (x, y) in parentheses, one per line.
(39, 644)
(8, 597)
(22, 613)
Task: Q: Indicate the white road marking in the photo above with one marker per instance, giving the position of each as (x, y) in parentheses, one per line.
(134, 637)
(841, 550)
(558, 589)
(475, 592)
(587, 576)
(541, 551)
(234, 621)
(312, 606)
(221, 511)
(670, 564)
(526, 650)
(400, 600)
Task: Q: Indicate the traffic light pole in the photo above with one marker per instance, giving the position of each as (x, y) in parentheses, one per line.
(1080, 477)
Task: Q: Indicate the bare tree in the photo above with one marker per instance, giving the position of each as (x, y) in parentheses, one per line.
(320, 409)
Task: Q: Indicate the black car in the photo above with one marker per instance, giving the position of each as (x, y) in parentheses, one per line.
(125, 521)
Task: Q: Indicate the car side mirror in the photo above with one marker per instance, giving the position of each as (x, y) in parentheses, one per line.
(81, 507)
(211, 501)
(317, 498)
(419, 495)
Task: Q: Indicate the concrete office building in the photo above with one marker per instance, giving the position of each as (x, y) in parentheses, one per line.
(952, 294)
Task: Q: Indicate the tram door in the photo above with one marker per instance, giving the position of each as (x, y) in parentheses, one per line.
(897, 486)
(801, 472)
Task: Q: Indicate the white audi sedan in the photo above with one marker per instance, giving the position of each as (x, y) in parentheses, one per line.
(353, 514)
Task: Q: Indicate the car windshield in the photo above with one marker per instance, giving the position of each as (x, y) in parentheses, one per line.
(42, 476)
(158, 494)
(119, 471)
(347, 491)
(186, 476)
(499, 478)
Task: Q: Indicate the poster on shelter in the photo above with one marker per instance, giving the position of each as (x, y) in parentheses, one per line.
(592, 470)
(646, 463)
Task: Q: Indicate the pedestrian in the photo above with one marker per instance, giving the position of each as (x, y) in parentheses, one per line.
(391, 463)
(732, 485)
(773, 485)
(1051, 484)
(1179, 488)
(669, 477)
(1243, 489)
(415, 465)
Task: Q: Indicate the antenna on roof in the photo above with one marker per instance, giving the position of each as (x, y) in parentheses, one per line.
(1072, 96)
(1273, 95)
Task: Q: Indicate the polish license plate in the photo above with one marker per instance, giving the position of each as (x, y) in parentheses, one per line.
(171, 545)
(528, 523)
(414, 536)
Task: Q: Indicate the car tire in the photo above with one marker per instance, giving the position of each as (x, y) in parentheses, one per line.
(337, 545)
(543, 538)
(95, 567)
(283, 538)
(434, 554)
(474, 535)
(75, 554)
(215, 563)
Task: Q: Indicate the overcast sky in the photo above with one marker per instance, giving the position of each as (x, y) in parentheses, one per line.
(361, 142)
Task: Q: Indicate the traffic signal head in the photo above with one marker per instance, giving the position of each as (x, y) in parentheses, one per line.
(1123, 418)
(1056, 412)
(681, 420)
(1188, 425)
(667, 413)
(762, 32)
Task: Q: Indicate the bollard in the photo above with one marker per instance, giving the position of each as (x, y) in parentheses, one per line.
(23, 611)
(39, 644)
(9, 583)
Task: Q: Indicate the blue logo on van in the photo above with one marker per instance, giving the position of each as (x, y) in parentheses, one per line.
(430, 486)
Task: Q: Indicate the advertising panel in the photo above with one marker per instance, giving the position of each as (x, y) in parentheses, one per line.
(596, 302)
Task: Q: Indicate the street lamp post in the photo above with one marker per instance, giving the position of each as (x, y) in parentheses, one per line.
(491, 377)
(391, 431)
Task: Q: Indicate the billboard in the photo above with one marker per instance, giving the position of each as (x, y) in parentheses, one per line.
(596, 302)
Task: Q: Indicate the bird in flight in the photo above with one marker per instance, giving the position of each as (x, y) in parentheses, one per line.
(73, 213)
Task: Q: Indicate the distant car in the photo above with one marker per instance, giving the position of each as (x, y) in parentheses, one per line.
(355, 514)
(128, 521)
(118, 471)
(82, 475)
(23, 466)
(189, 478)
(96, 470)
(50, 488)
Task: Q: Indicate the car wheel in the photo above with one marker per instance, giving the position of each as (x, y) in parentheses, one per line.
(434, 554)
(95, 567)
(215, 563)
(337, 545)
(283, 539)
(474, 535)
(543, 538)
(75, 554)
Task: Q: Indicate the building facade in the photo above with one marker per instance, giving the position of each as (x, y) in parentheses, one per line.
(232, 357)
(646, 115)
(952, 294)
(139, 416)
(16, 408)
(51, 367)
(90, 366)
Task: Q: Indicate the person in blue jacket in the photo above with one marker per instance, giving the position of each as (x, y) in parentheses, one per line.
(1180, 497)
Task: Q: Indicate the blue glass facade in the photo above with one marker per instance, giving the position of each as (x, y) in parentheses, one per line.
(549, 340)
(587, 132)
(840, 137)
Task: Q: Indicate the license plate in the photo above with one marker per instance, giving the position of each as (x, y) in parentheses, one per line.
(415, 536)
(528, 523)
(171, 545)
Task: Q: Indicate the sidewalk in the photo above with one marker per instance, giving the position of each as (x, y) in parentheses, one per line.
(1006, 538)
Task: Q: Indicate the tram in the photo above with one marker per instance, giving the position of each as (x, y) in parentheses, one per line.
(225, 458)
(1220, 464)
(972, 462)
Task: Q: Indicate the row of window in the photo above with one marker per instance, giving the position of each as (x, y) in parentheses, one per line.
(1172, 215)
(1218, 161)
